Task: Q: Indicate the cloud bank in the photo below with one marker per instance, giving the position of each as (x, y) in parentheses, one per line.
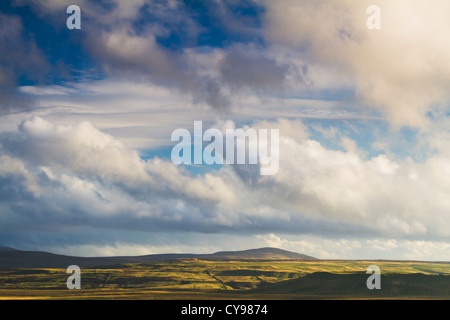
(67, 176)
(401, 69)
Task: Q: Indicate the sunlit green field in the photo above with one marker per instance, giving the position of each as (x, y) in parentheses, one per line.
(201, 279)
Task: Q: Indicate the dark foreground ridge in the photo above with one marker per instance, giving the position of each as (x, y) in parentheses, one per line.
(7, 249)
(329, 285)
(13, 258)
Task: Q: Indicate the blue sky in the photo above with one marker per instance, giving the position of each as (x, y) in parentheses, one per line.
(87, 117)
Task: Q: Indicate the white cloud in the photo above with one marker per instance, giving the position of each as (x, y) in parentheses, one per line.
(316, 189)
(81, 148)
(402, 69)
(376, 192)
(143, 116)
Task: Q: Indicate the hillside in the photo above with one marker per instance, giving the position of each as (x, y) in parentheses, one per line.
(11, 258)
(7, 249)
(262, 253)
(354, 285)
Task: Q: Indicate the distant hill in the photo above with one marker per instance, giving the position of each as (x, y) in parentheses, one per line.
(262, 253)
(12, 258)
(7, 249)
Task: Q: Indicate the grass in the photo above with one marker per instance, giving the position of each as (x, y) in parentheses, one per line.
(203, 279)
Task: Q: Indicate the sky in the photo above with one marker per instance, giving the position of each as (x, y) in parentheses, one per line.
(86, 117)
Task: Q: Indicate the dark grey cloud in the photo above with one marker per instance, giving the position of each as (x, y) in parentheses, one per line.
(161, 43)
(19, 57)
(247, 66)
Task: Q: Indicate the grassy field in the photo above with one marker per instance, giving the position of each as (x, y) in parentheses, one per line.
(203, 279)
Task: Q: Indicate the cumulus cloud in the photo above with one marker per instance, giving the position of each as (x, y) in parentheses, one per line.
(389, 196)
(88, 175)
(211, 77)
(79, 173)
(129, 40)
(401, 69)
